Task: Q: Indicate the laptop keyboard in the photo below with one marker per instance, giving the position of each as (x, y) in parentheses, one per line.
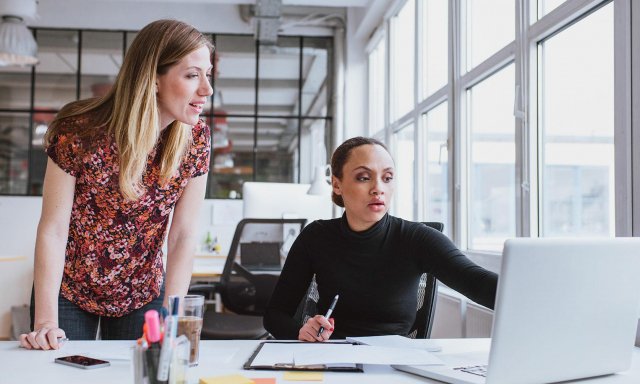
(480, 370)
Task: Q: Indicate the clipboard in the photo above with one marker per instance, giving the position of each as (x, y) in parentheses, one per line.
(292, 367)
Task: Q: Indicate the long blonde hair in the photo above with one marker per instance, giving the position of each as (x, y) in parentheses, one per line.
(129, 111)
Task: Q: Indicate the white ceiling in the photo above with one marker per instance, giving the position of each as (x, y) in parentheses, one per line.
(304, 3)
(218, 16)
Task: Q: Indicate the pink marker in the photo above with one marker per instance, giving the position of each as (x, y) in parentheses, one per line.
(152, 319)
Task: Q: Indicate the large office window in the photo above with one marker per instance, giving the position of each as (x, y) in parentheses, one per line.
(491, 168)
(435, 38)
(546, 6)
(101, 57)
(376, 64)
(402, 60)
(266, 99)
(14, 152)
(490, 26)
(523, 122)
(403, 152)
(436, 181)
(576, 125)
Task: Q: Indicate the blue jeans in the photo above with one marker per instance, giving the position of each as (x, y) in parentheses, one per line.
(79, 324)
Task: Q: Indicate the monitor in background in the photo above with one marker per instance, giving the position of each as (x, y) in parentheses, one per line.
(261, 200)
(283, 200)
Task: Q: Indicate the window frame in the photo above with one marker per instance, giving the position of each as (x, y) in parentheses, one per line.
(295, 150)
(522, 52)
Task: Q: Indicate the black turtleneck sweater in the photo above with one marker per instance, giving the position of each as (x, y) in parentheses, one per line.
(375, 272)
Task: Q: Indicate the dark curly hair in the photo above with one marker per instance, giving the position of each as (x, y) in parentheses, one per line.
(341, 156)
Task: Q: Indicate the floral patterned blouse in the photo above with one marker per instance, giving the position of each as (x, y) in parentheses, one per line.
(113, 262)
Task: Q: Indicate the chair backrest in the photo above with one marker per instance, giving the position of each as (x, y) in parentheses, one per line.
(246, 289)
(427, 296)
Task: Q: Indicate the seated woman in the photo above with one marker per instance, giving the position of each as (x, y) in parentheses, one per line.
(371, 259)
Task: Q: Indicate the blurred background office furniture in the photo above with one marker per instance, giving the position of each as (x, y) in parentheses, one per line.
(427, 294)
(286, 200)
(20, 321)
(245, 288)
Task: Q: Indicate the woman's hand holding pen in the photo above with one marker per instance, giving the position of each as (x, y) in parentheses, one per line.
(325, 324)
(311, 330)
(46, 336)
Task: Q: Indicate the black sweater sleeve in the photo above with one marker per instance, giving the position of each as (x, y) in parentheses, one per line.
(292, 285)
(449, 265)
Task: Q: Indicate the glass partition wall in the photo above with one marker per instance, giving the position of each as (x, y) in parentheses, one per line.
(269, 113)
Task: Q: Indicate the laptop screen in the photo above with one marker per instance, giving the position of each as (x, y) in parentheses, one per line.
(568, 306)
(566, 309)
(256, 256)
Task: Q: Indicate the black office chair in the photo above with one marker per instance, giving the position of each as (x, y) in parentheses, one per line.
(427, 291)
(248, 279)
(427, 296)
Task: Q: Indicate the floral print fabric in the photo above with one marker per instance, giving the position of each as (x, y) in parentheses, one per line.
(113, 261)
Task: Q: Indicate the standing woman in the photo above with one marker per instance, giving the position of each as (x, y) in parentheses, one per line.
(118, 166)
(371, 259)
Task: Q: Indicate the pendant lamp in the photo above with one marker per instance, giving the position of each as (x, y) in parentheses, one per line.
(17, 45)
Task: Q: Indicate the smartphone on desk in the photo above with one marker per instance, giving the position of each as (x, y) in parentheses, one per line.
(83, 362)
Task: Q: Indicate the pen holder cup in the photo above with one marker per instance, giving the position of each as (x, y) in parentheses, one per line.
(146, 364)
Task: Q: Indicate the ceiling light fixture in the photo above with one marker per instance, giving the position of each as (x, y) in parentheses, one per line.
(17, 45)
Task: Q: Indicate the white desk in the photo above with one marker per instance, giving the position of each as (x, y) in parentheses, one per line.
(216, 358)
(208, 266)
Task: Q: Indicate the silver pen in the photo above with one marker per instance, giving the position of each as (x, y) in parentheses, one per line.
(329, 312)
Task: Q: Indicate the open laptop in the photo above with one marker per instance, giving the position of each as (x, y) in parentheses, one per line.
(566, 309)
(260, 256)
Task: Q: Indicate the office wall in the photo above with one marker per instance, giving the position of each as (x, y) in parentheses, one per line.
(18, 223)
(456, 317)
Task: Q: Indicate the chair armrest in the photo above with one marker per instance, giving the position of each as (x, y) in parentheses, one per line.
(206, 289)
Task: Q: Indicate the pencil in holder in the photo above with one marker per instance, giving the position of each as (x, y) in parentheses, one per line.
(146, 363)
(179, 369)
(139, 367)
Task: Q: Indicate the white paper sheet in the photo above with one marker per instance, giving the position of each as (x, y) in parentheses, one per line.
(364, 354)
(397, 342)
(275, 353)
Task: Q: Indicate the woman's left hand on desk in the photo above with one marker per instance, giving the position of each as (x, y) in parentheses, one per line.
(47, 337)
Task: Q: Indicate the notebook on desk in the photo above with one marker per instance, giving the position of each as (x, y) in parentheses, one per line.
(565, 309)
